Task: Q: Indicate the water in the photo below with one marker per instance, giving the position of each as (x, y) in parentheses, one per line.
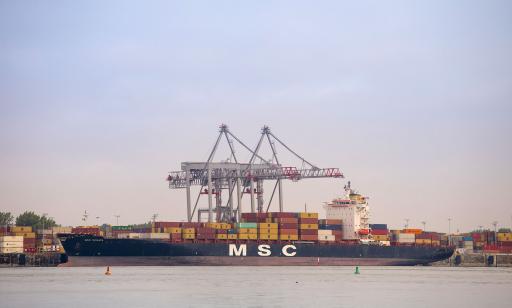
(256, 287)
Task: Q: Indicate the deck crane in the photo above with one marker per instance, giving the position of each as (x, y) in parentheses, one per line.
(240, 177)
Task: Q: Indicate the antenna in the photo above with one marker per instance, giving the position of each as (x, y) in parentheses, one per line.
(406, 223)
(84, 217)
(154, 217)
(98, 220)
(117, 219)
(424, 225)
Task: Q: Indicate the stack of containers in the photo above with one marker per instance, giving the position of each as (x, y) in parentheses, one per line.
(308, 226)
(3, 231)
(468, 243)
(288, 225)
(205, 233)
(478, 242)
(92, 230)
(379, 232)
(25, 232)
(247, 230)
(11, 244)
(232, 234)
(116, 230)
(505, 239)
(268, 231)
(399, 237)
(188, 230)
(329, 230)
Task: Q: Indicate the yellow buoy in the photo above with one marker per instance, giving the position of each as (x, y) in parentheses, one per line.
(108, 272)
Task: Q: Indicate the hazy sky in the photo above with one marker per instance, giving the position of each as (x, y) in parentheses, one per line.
(411, 100)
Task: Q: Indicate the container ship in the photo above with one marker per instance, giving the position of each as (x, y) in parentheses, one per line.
(232, 236)
(264, 239)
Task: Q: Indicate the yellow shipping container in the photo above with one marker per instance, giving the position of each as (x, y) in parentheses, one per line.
(413, 231)
(247, 231)
(172, 230)
(425, 241)
(272, 237)
(267, 225)
(268, 231)
(381, 237)
(225, 226)
(504, 237)
(189, 231)
(309, 226)
(156, 230)
(308, 215)
(26, 235)
(232, 236)
(21, 229)
(189, 236)
(269, 219)
(247, 236)
(289, 237)
(221, 236)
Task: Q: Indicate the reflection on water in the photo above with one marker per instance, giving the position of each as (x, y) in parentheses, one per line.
(256, 287)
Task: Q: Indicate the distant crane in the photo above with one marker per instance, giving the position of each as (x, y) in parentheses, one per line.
(154, 217)
(117, 219)
(424, 223)
(84, 217)
(241, 177)
(406, 226)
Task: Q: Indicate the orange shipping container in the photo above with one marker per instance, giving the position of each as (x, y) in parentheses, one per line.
(288, 237)
(413, 231)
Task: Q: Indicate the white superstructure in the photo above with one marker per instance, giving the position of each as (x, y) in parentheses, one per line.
(354, 212)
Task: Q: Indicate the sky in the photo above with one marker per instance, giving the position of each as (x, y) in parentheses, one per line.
(412, 100)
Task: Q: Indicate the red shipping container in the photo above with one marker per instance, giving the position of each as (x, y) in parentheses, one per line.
(190, 224)
(309, 237)
(336, 232)
(380, 232)
(286, 220)
(308, 221)
(288, 226)
(205, 231)
(167, 224)
(175, 236)
(283, 215)
(330, 221)
(308, 232)
(288, 231)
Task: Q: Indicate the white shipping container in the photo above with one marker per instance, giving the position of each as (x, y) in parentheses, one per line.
(11, 238)
(61, 229)
(156, 236)
(327, 237)
(11, 250)
(406, 237)
(324, 232)
(11, 244)
(385, 243)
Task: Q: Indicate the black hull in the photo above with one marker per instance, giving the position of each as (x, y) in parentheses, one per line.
(97, 251)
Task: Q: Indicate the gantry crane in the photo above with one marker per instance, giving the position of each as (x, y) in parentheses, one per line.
(214, 177)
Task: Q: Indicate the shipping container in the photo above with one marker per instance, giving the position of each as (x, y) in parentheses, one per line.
(308, 221)
(305, 237)
(379, 232)
(286, 220)
(308, 215)
(330, 227)
(326, 237)
(380, 238)
(283, 215)
(330, 222)
(121, 228)
(308, 232)
(378, 226)
(222, 236)
(309, 226)
(324, 232)
(156, 236)
(268, 231)
(289, 237)
(172, 230)
(271, 237)
(27, 235)
(232, 236)
(11, 250)
(268, 225)
(248, 236)
(11, 244)
(246, 225)
(188, 231)
(247, 231)
(166, 224)
(288, 226)
(21, 229)
(413, 231)
(11, 238)
(189, 236)
(504, 237)
(288, 231)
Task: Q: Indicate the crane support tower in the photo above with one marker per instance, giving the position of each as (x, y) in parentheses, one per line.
(237, 178)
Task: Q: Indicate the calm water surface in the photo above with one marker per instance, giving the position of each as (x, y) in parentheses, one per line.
(256, 287)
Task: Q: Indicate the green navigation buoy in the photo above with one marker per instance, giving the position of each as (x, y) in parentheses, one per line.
(357, 270)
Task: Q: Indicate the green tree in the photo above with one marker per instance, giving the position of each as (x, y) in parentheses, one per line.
(6, 218)
(31, 219)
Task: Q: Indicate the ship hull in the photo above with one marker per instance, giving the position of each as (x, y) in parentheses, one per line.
(98, 251)
(236, 261)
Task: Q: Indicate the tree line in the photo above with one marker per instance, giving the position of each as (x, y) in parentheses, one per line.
(27, 219)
